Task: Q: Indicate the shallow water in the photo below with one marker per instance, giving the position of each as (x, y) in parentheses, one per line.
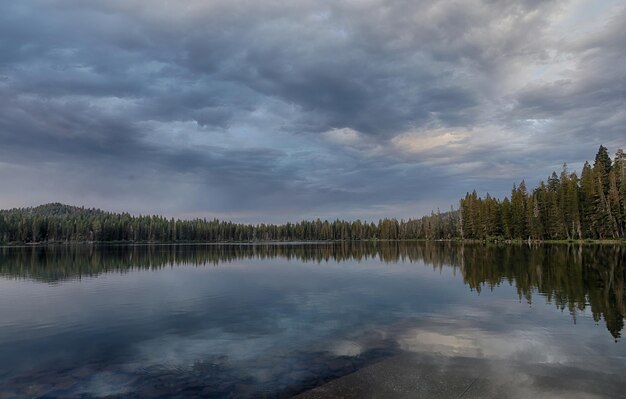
(277, 320)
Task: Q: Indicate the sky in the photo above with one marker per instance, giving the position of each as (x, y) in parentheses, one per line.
(266, 110)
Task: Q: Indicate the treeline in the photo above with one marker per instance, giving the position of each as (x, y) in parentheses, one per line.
(63, 223)
(592, 206)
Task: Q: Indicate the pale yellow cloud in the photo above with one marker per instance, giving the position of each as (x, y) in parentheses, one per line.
(416, 142)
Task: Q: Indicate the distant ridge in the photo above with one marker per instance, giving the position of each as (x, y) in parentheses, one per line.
(55, 209)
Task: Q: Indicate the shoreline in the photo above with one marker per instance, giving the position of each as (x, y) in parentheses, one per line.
(300, 242)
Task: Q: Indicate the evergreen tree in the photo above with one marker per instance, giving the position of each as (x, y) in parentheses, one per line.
(587, 199)
(603, 216)
(519, 199)
(619, 167)
(505, 218)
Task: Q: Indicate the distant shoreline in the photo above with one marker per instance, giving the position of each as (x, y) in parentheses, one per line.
(301, 242)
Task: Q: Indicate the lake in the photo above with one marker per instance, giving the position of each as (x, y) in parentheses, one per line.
(276, 320)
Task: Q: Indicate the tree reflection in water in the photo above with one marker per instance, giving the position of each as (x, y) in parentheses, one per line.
(573, 277)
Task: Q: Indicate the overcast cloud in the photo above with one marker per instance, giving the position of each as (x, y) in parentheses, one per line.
(263, 110)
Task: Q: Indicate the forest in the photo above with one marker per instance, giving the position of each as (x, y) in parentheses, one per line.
(565, 207)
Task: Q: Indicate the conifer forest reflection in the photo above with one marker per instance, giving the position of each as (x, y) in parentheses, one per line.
(274, 320)
(573, 277)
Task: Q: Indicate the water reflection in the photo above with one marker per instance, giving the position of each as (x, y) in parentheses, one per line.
(277, 320)
(573, 277)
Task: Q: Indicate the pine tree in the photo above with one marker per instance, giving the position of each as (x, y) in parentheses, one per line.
(587, 202)
(602, 167)
(603, 217)
(555, 218)
(505, 218)
(619, 166)
(533, 217)
(518, 211)
(572, 204)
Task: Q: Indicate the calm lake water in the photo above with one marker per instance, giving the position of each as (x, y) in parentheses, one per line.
(277, 320)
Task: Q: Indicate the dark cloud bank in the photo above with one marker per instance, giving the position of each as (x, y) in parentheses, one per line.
(268, 110)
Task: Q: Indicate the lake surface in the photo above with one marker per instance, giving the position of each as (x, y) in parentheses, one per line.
(278, 320)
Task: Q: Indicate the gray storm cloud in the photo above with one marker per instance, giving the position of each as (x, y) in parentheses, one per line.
(269, 110)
